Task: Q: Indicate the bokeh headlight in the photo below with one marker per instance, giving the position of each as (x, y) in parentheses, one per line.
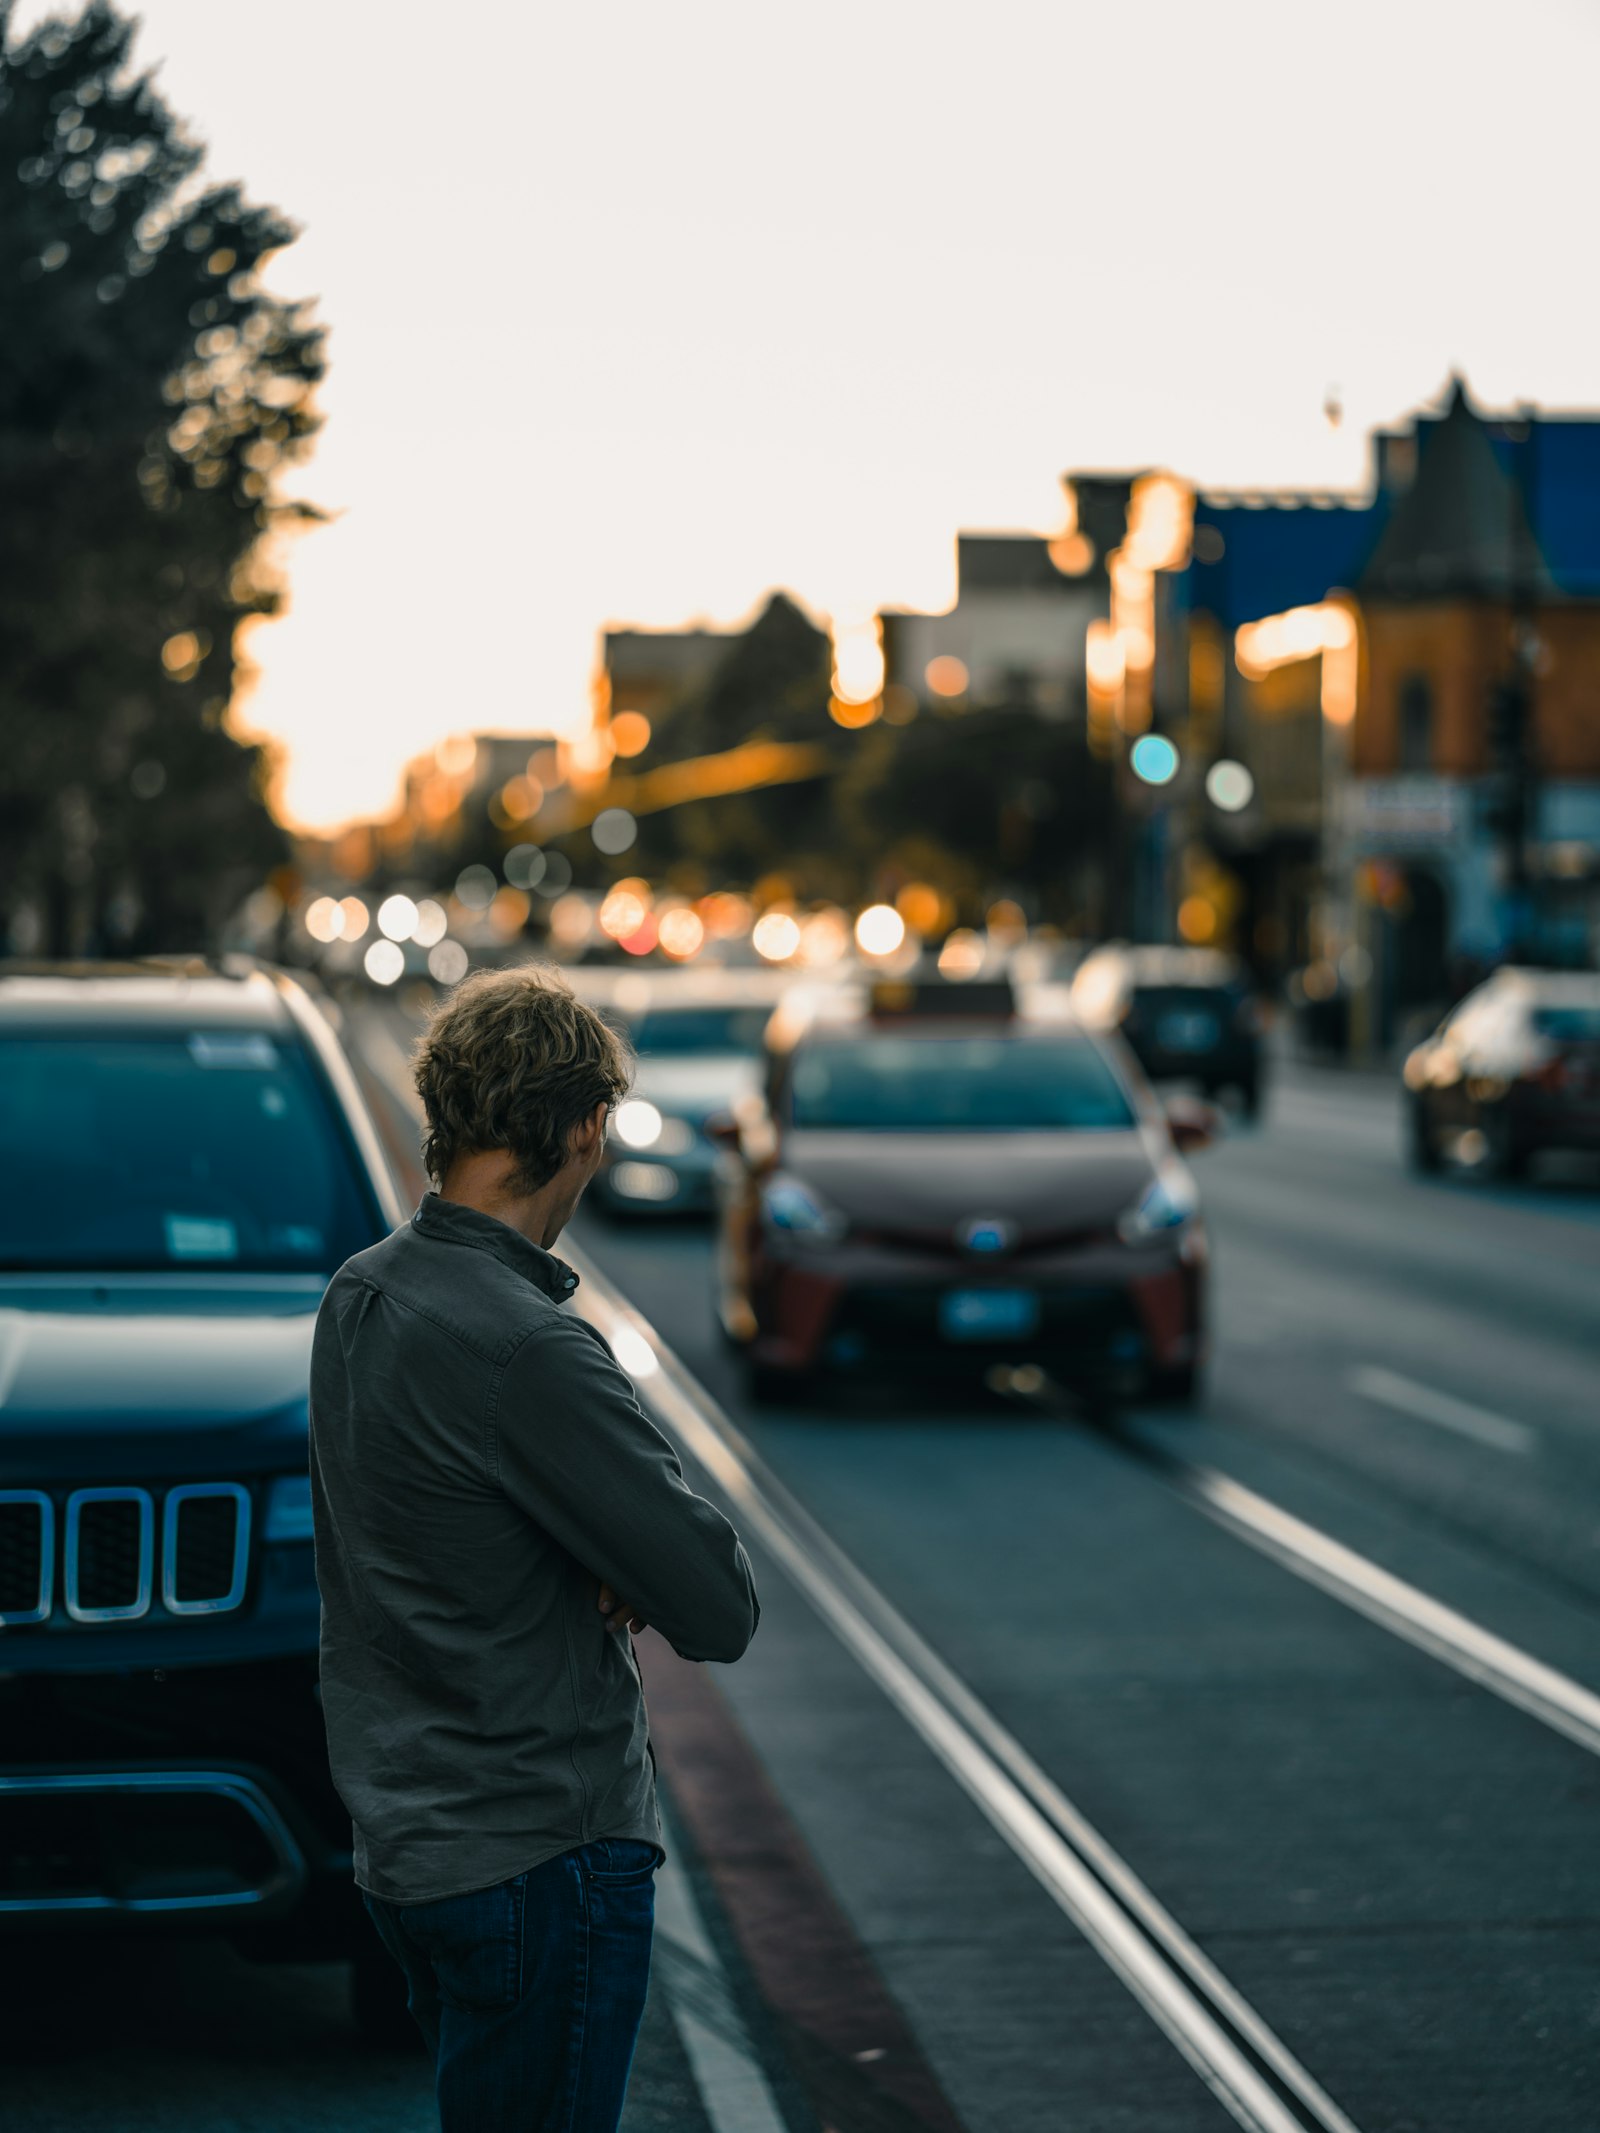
(397, 918)
(384, 962)
(432, 924)
(637, 1123)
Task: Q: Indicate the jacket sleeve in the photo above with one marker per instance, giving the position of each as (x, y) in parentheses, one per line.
(573, 1449)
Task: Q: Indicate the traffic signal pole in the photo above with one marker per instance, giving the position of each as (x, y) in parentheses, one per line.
(1512, 709)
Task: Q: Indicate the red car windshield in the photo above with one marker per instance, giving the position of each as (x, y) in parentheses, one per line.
(968, 1084)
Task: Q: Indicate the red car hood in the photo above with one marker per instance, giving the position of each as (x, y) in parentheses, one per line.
(1047, 1184)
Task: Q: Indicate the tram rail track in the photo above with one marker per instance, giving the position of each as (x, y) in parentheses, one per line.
(1234, 2051)
(1479, 1655)
(1231, 2047)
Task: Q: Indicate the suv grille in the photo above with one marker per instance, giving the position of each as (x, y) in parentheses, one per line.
(27, 1555)
(110, 1549)
(205, 1547)
(110, 1541)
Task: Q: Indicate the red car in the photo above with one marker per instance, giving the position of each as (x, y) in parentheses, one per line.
(934, 1181)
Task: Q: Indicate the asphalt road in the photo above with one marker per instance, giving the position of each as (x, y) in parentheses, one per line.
(1396, 1868)
(163, 2035)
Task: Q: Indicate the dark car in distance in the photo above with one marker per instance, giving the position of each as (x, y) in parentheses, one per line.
(187, 1159)
(1512, 1070)
(1189, 1014)
(934, 1182)
(697, 1046)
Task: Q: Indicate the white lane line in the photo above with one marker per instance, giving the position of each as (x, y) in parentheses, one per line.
(1389, 1389)
(1134, 1936)
(1511, 1673)
(889, 1651)
(726, 2069)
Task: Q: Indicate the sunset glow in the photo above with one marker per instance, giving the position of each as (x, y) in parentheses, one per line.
(553, 404)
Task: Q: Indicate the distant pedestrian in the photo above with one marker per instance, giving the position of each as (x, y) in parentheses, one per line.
(494, 1513)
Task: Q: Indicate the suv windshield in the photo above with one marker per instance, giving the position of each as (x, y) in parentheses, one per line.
(669, 1031)
(958, 1085)
(210, 1149)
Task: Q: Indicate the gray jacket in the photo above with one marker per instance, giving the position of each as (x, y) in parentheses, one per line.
(479, 1464)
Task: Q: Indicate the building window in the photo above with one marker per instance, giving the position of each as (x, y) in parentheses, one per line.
(1416, 723)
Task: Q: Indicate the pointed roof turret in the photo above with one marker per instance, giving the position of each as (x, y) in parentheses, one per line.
(1461, 530)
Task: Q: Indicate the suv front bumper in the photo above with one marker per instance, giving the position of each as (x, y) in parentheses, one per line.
(185, 1797)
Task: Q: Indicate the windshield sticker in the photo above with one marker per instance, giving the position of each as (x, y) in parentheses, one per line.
(201, 1237)
(228, 1048)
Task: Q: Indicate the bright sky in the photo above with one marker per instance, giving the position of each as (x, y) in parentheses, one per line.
(638, 310)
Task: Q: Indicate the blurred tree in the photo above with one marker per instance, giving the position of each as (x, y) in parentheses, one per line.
(773, 683)
(148, 390)
(984, 802)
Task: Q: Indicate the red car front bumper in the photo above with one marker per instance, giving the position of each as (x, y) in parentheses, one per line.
(1098, 1309)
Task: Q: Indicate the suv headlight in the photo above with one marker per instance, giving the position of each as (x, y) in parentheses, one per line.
(795, 1210)
(1167, 1202)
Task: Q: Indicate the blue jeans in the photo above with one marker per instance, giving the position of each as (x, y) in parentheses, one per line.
(530, 1993)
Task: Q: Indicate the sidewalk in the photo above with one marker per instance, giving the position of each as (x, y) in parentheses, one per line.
(776, 2011)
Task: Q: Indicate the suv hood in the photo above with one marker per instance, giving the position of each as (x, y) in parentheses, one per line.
(1048, 1184)
(139, 1360)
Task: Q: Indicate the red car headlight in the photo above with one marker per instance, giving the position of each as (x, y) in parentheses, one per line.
(795, 1209)
(1166, 1204)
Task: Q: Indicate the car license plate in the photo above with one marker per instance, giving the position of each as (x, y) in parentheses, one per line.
(1187, 1033)
(988, 1314)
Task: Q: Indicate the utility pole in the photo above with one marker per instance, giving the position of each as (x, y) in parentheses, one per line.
(1512, 736)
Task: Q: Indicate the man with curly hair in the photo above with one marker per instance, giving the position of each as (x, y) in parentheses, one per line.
(494, 1513)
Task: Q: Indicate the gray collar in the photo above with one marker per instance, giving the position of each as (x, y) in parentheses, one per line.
(452, 1223)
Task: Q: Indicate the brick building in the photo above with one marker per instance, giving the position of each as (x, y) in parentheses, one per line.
(1447, 811)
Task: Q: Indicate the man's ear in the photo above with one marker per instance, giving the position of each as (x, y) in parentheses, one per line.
(588, 1133)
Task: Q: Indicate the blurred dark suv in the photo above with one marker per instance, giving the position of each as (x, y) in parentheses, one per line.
(1512, 1070)
(1188, 1014)
(187, 1158)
